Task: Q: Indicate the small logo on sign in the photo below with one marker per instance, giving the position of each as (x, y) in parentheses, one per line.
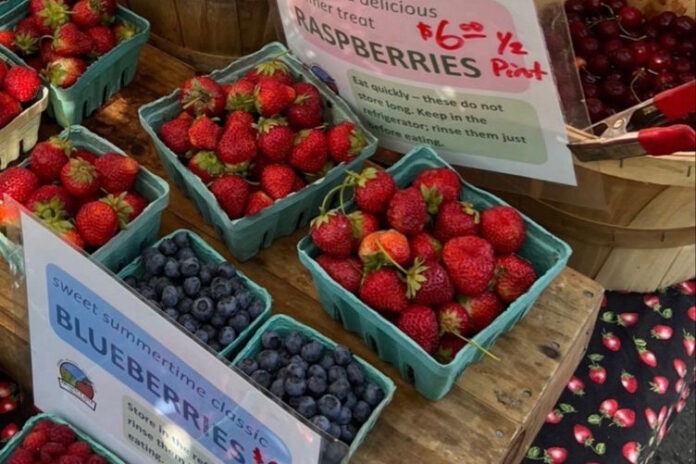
(74, 381)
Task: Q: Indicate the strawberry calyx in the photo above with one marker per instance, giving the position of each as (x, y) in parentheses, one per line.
(125, 31)
(433, 198)
(59, 226)
(415, 277)
(81, 172)
(264, 125)
(301, 136)
(595, 359)
(323, 218)
(302, 98)
(270, 68)
(64, 144)
(358, 142)
(26, 44)
(208, 162)
(353, 179)
(51, 209)
(240, 169)
(54, 13)
(357, 223)
(314, 176)
(121, 206)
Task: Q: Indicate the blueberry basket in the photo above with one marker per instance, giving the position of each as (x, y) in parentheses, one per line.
(126, 245)
(16, 441)
(283, 325)
(102, 79)
(207, 255)
(548, 254)
(246, 236)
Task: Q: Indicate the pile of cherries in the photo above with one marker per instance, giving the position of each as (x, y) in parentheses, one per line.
(625, 57)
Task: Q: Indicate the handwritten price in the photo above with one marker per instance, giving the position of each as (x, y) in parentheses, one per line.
(451, 41)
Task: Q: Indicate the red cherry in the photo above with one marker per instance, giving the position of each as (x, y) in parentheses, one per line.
(687, 48)
(615, 76)
(574, 17)
(668, 41)
(624, 58)
(593, 7)
(642, 80)
(616, 5)
(630, 17)
(641, 52)
(588, 46)
(599, 64)
(578, 30)
(651, 31)
(590, 91)
(575, 6)
(660, 60)
(664, 20)
(608, 29)
(596, 109)
(611, 45)
(684, 26)
(8, 432)
(665, 80)
(682, 65)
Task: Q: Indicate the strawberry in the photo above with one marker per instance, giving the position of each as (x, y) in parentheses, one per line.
(3, 67)
(86, 13)
(420, 323)
(202, 96)
(470, 263)
(240, 121)
(9, 109)
(33, 441)
(691, 313)
(125, 31)
(61, 433)
(347, 272)
(46, 52)
(583, 435)
(232, 192)
(437, 185)
(206, 165)
(22, 83)
(629, 382)
(597, 373)
(50, 13)
(456, 219)
(21, 456)
(609, 407)
(407, 211)
(425, 247)
(555, 416)
(240, 95)
(51, 201)
(345, 142)
(69, 40)
(429, 284)
(204, 134)
(449, 347)
(128, 206)
(454, 320)
(310, 152)
(298, 184)
(275, 138)
(49, 157)
(659, 384)
(272, 97)
(374, 189)
(97, 223)
(688, 287)
(277, 180)
(306, 110)
(274, 69)
(514, 277)
(625, 417)
(80, 448)
(661, 332)
(689, 343)
(576, 386)
(80, 178)
(504, 228)
(332, 233)
(383, 290)
(7, 432)
(7, 40)
(256, 168)
(679, 367)
(258, 201)
(611, 341)
(117, 172)
(27, 37)
(384, 247)
(18, 182)
(64, 72)
(646, 356)
(175, 135)
(482, 309)
(96, 459)
(109, 7)
(236, 148)
(362, 225)
(9, 218)
(67, 232)
(103, 39)
(85, 155)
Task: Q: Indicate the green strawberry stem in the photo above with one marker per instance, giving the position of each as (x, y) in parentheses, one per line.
(476, 344)
(329, 195)
(390, 259)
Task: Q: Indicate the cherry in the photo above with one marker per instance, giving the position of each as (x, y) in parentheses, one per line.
(574, 18)
(641, 52)
(630, 17)
(651, 31)
(575, 6)
(590, 90)
(665, 80)
(642, 80)
(684, 26)
(660, 60)
(578, 31)
(610, 46)
(685, 77)
(615, 90)
(653, 47)
(608, 29)
(687, 48)
(588, 46)
(593, 7)
(596, 109)
(668, 41)
(682, 65)
(664, 20)
(624, 58)
(615, 76)
(599, 64)
(616, 5)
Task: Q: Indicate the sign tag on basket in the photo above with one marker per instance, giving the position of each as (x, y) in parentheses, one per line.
(472, 79)
(103, 359)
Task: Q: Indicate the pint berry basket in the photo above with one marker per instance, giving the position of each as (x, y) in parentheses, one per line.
(16, 441)
(102, 79)
(126, 245)
(431, 378)
(246, 236)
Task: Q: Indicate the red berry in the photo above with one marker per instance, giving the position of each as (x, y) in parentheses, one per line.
(630, 17)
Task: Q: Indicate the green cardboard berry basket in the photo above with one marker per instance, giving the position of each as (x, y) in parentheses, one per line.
(283, 325)
(246, 236)
(102, 79)
(125, 245)
(16, 441)
(5, 5)
(547, 253)
(208, 255)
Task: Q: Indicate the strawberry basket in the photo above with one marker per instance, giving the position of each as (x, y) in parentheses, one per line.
(283, 325)
(16, 441)
(7, 4)
(207, 255)
(431, 378)
(246, 236)
(102, 79)
(126, 245)
(22, 133)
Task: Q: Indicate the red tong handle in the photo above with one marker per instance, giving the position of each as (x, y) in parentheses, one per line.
(667, 140)
(677, 102)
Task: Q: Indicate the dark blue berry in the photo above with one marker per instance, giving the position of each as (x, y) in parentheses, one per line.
(297, 370)
(239, 321)
(342, 355)
(350, 400)
(203, 309)
(282, 372)
(262, 377)
(171, 268)
(192, 286)
(168, 247)
(248, 365)
(335, 430)
(322, 423)
(215, 345)
(182, 239)
(306, 406)
(316, 386)
(340, 388)
(162, 283)
(285, 357)
(154, 264)
(297, 359)
(348, 433)
(294, 342)
(227, 335)
(148, 293)
(218, 321)
(315, 370)
(335, 373)
(330, 406)
(172, 313)
(227, 306)
(185, 305)
(278, 388)
(220, 288)
(237, 284)
(212, 331)
(202, 335)
(205, 292)
(312, 351)
(359, 390)
(373, 394)
(327, 361)
(295, 386)
(131, 281)
(345, 416)
(243, 298)
(361, 412)
(226, 270)
(268, 360)
(271, 340)
(170, 296)
(356, 376)
(205, 275)
(256, 308)
(190, 267)
(185, 253)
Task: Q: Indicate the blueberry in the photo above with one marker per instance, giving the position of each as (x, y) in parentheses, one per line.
(295, 386)
(227, 306)
(152, 281)
(356, 376)
(282, 372)
(315, 370)
(192, 286)
(359, 390)
(162, 283)
(322, 423)
(190, 267)
(148, 252)
(170, 296)
(297, 370)
(205, 292)
(185, 253)
(306, 406)
(205, 275)
(327, 361)
(340, 388)
(171, 268)
(190, 325)
(342, 355)
(168, 247)
(131, 281)
(336, 372)
(285, 357)
(361, 412)
(256, 308)
(330, 406)
(210, 330)
(154, 263)
(350, 400)
(215, 345)
(202, 335)
(227, 335)
(373, 394)
(148, 293)
(218, 321)
(278, 388)
(243, 298)
(220, 288)
(312, 351)
(239, 321)
(180, 292)
(335, 430)
(226, 270)
(271, 340)
(268, 360)
(182, 239)
(213, 268)
(345, 416)
(262, 377)
(237, 284)
(248, 365)
(316, 386)
(185, 305)
(297, 359)
(348, 433)
(294, 342)
(203, 309)
(172, 313)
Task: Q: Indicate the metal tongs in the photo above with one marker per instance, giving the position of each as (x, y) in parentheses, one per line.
(637, 132)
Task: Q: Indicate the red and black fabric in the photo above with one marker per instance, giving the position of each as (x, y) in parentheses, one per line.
(11, 416)
(636, 376)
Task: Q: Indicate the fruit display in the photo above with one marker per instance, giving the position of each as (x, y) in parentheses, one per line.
(625, 56)
(194, 286)
(19, 88)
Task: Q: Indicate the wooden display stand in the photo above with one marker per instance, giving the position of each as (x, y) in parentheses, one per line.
(490, 416)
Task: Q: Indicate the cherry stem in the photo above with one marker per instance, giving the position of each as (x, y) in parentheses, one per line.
(479, 347)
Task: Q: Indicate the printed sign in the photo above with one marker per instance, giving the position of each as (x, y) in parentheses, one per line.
(104, 360)
(472, 79)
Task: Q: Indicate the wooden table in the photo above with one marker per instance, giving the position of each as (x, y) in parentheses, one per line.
(491, 415)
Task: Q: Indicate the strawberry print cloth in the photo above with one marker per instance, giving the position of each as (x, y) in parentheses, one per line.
(636, 376)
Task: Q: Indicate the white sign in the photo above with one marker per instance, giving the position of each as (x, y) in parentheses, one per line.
(107, 362)
(470, 78)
